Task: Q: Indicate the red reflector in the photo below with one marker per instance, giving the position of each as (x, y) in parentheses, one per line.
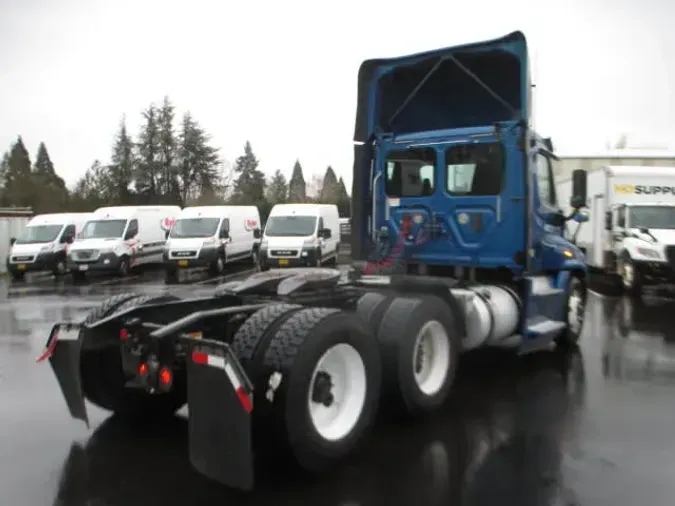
(143, 369)
(124, 334)
(199, 357)
(165, 376)
(245, 400)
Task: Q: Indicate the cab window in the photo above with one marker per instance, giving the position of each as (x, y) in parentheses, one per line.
(475, 169)
(410, 173)
(132, 230)
(545, 180)
(69, 231)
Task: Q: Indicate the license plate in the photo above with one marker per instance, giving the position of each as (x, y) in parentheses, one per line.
(84, 267)
(183, 263)
(283, 261)
(21, 267)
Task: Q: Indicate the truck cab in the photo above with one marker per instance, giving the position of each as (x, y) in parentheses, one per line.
(450, 179)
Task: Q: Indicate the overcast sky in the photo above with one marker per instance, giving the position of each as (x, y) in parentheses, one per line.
(283, 74)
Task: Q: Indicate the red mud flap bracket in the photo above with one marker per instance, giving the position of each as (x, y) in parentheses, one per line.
(63, 352)
(220, 401)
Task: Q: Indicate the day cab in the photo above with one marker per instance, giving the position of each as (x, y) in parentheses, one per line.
(43, 244)
(117, 239)
(300, 235)
(448, 167)
(211, 237)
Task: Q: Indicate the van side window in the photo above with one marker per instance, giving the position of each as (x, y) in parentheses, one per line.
(69, 231)
(475, 169)
(410, 173)
(132, 230)
(621, 217)
(545, 181)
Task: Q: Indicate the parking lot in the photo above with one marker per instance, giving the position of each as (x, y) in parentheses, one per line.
(587, 427)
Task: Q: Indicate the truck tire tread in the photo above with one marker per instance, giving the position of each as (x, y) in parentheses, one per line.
(293, 354)
(396, 334)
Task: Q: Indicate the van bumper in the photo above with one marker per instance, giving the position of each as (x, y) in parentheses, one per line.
(307, 258)
(205, 258)
(45, 261)
(107, 262)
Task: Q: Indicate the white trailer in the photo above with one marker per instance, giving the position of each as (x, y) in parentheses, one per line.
(631, 227)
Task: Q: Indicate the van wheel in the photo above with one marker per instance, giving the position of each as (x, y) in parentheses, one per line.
(123, 269)
(255, 260)
(318, 262)
(631, 276)
(218, 266)
(60, 268)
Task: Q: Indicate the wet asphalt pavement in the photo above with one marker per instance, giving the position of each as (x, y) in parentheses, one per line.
(587, 427)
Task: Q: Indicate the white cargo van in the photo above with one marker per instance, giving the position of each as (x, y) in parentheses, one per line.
(212, 236)
(631, 227)
(43, 244)
(117, 239)
(300, 235)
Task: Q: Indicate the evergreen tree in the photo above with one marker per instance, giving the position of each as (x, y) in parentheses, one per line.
(249, 186)
(19, 184)
(344, 202)
(197, 162)
(51, 194)
(93, 190)
(4, 167)
(148, 171)
(167, 150)
(123, 165)
(297, 189)
(330, 189)
(277, 190)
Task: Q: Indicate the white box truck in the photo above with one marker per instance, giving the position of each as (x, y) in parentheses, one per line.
(42, 245)
(117, 239)
(631, 227)
(212, 236)
(300, 235)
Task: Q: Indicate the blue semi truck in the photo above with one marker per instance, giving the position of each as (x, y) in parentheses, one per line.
(458, 244)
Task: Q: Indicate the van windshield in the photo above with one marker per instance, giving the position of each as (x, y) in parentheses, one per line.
(39, 234)
(103, 229)
(662, 217)
(293, 226)
(194, 227)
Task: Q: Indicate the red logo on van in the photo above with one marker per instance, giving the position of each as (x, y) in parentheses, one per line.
(167, 223)
(251, 224)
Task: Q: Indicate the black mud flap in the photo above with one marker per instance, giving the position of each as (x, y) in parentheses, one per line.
(63, 352)
(220, 402)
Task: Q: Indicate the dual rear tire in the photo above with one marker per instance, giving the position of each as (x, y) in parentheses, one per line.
(320, 375)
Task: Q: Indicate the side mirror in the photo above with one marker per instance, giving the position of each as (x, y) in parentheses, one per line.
(69, 239)
(12, 241)
(579, 189)
(325, 233)
(581, 216)
(608, 220)
(643, 230)
(257, 234)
